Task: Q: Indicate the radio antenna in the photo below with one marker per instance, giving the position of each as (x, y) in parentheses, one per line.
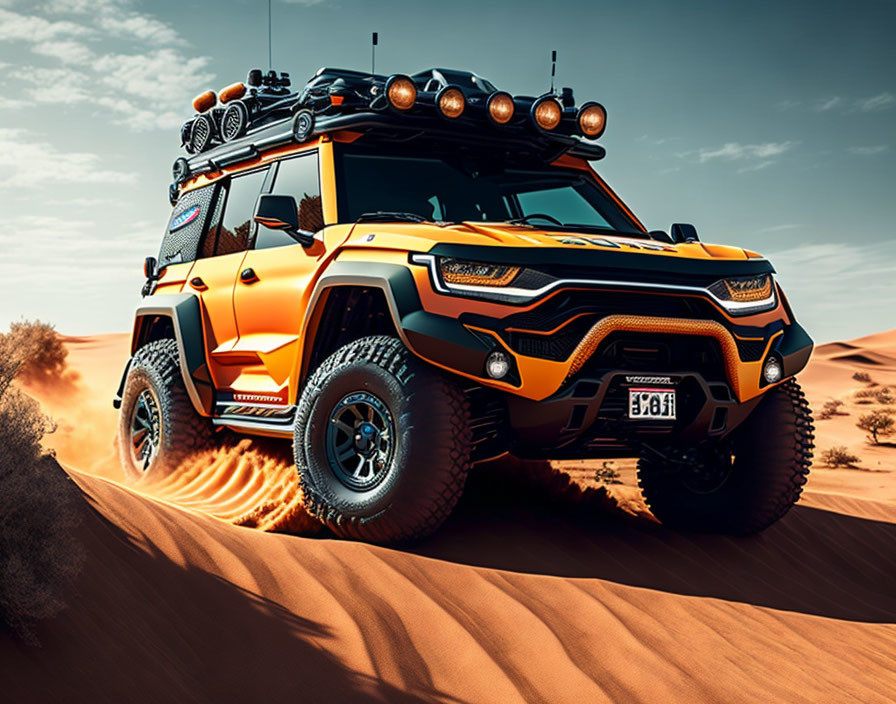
(270, 49)
(553, 68)
(374, 41)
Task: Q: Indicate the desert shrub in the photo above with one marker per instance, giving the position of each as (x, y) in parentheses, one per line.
(38, 508)
(878, 424)
(885, 396)
(607, 473)
(862, 376)
(865, 395)
(41, 355)
(839, 456)
(830, 408)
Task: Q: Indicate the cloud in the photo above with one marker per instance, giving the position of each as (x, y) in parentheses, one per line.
(780, 228)
(755, 167)
(31, 28)
(827, 104)
(733, 151)
(30, 163)
(881, 101)
(67, 51)
(869, 151)
(142, 27)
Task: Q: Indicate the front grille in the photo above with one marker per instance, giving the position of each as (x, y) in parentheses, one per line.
(657, 353)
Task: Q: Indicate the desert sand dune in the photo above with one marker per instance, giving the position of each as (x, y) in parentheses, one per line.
(533, 591)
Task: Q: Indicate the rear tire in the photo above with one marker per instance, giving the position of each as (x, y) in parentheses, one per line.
(743, 486)
(155, 400)
(404, 481)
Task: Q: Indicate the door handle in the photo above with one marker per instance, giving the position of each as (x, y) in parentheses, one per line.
(198, 283)
(248, 276)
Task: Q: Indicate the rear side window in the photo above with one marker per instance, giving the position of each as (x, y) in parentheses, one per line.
(299, 178)
(186, 225)
(235, 227)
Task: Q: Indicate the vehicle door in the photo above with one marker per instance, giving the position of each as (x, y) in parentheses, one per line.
(214, 274)
(274, 284)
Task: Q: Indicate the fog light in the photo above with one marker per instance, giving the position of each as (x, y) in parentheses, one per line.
(451, 102)
(772, 370)
(497, 364)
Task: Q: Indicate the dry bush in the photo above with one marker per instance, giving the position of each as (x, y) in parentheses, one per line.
(607, 473)
(830, 409)
(865, 395)
(878, 424)
(41, 356)
(863, 377)
(885, 396)
(839, 456)
(38, 508)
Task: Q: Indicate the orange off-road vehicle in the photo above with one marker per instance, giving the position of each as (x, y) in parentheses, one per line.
(407, 275)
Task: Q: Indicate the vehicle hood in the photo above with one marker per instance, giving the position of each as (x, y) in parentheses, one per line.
(508, 242)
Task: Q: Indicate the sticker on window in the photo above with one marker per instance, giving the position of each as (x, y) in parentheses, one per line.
(184, 219)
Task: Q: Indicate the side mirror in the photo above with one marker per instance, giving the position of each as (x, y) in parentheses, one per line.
(280, 212)
(150, 268)
(682, 232)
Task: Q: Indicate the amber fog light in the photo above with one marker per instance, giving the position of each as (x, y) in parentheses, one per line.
(497, 364)
(401, 92)
(500, 108)
(451, 102)
(547, 113)
(772, 371)
(592, 119)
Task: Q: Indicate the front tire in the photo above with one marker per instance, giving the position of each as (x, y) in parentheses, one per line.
(382, 444)
(744, 485)
(158, 426)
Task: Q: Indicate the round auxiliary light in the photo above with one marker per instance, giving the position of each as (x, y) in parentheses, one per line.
(497, 364)
(772, 370)
(500, 107)
(547, 112)
(451, 102)
(401, 92)
(592, 120)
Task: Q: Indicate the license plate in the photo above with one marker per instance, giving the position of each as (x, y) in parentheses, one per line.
(651, 404)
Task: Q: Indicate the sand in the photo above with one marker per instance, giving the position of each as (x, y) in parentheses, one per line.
(526, 594)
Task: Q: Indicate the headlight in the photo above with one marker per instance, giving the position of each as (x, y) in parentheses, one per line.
(743, 295)
(592, 119)
(401, 92)
(547, 112)
(459, 272)
(451, 102)
(500, 107)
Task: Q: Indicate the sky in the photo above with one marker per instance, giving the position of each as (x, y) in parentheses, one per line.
(768, 125)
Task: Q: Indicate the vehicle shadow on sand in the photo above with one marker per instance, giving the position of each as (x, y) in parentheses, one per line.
(813, 561)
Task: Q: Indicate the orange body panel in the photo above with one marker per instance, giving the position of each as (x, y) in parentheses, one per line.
(260, 333)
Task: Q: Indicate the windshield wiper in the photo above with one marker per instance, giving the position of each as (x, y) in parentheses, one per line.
(389, 216)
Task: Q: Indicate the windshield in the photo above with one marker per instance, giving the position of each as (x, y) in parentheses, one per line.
(456, 190)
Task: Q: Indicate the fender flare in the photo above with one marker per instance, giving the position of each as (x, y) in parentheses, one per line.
(435, 338)
(186, 320)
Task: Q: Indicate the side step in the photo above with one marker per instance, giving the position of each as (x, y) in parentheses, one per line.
(256, 419)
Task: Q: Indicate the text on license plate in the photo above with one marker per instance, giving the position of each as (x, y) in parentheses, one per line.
(651, 404)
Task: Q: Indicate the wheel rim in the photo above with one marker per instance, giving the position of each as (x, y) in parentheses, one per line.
(360, 440)
(146, 430)
(707, 472)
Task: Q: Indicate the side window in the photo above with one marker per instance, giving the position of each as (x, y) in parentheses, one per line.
(236, 226)
(297, 177)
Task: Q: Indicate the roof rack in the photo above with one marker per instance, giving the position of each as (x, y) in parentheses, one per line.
(244, 120)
